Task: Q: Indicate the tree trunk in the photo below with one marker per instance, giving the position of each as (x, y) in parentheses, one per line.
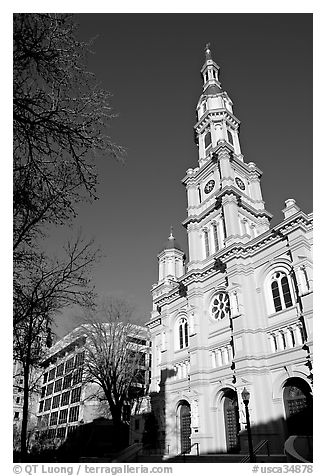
(23, 437)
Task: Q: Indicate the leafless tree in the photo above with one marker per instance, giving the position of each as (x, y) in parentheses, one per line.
(116, 356)
(61, 118)
(47, 287)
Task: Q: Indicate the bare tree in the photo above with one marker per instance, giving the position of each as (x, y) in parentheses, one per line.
(116, 356)
(47, 287)
(61, 118)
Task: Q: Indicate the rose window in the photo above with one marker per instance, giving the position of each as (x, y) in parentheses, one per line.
(220, 307)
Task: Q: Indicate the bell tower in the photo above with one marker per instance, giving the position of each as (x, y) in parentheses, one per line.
(225, 204)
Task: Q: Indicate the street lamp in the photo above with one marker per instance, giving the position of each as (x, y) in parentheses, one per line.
(245, 397)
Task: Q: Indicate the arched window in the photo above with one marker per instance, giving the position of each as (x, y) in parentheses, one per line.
(208, 140)
(215, 236)
(183, 333)
(206, 240)
(230, 138)
(281, 292)
(220, 306)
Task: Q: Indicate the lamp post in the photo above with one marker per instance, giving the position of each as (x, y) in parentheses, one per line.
(245, 397)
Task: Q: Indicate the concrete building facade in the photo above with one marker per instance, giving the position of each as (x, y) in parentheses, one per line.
(239, 313)
(67, 397)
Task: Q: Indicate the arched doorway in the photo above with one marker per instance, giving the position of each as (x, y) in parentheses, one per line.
(231, 421)
(298, 407)
(185, 426)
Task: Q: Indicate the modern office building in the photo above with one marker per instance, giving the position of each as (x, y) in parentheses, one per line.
(68, 399)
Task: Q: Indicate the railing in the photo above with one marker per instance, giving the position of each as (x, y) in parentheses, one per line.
(257, 448)
(128, 454)
(188, 450)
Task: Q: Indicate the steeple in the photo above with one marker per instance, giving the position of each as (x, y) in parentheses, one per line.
(225, 203)
(216, 120)
(210, 73)
(171, 259)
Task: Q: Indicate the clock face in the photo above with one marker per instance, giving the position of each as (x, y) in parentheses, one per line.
(240, 184)
(209, 186)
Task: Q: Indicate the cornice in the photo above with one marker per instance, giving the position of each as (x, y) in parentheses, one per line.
(229, 190)
(240, 250)
(213, 113)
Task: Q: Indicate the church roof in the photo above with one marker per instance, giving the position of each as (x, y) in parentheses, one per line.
(212, 89)
(171, 244)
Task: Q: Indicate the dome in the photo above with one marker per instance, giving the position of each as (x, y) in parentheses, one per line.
(171, 244)
(212, 89)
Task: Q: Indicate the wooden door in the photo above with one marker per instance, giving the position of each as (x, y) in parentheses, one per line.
(231, 419)
(185, 428)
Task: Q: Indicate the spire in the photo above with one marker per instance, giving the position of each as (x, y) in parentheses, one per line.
(208, 54)
(210, 73)
(171, 242)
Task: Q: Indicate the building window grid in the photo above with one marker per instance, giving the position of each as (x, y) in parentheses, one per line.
(54, 418)
(77, 376)
(65, 397)
(51, 374)
(75, 395)
(73, 413)
(61, 432)
(66, 382)
(80, 357)
(69, 365)
(47, 404)
(60, 370)
(58, 385)
(56, 401)
(63, 415)
(49, 389)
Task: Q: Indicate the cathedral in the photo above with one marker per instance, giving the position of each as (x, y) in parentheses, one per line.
(235, 320)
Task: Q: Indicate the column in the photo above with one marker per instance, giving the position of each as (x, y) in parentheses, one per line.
(272, 342)
(230, 353)
(220, 232)
(279, 339)
(288, 337)
(298, 335)
(225, 356)
(231, 216)
(219, 357)
(213, 356)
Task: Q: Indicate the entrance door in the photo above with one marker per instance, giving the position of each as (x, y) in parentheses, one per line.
(298, 407)
(185, 428)
(231, 420)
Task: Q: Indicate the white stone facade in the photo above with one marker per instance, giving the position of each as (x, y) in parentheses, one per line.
(240, 315)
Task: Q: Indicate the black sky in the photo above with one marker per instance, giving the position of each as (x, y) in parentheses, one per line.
(151, 64)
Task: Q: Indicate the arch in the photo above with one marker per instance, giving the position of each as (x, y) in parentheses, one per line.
(183, 415)
(230, 138)
(297, 401)
(207, 139)
(181, 332)
(227, 419)
(278, 287)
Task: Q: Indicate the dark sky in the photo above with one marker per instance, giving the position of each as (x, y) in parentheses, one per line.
(151, 64)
